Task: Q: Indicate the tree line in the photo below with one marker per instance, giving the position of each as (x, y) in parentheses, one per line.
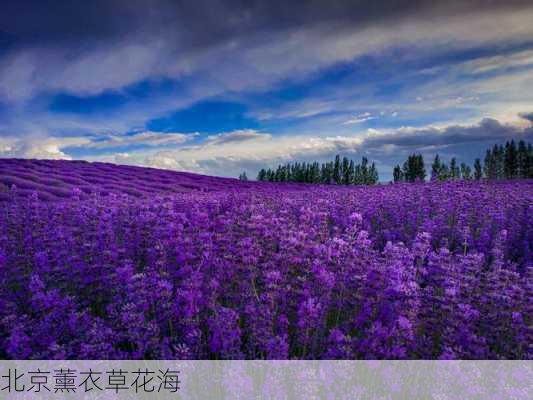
(507, 161)
(340, 172)
(501, 162)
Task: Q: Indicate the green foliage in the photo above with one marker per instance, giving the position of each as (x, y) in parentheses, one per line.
(478, 171)
(339, 172)
(398, 174)
(509, 161)
(466, 172)
(414, 169)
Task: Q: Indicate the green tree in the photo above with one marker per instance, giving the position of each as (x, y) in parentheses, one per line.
(444, 172)
(261, 176)
(351, 172)
(271, 176)
(337, 170)
(373, 174)
(478, 172)
(522, 160)
(364, 170)
(414, 169)
(436, 168)
(397, 174)
(345, 171)
(489, 165)
(466, 172)
(510, 160)
(358, 178)
(327, 173)
(529, 163)
(455, 172)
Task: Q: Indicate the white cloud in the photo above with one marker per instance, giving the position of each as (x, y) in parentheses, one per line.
(254, 150)
(359, 119)
(38, 147)
(501, 62)
(230, 153)
(43, 147)
(226, 153)
(146, 138)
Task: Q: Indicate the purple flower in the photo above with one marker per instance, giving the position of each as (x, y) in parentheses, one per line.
(100, 261)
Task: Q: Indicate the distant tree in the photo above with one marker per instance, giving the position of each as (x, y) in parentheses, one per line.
(305, 172)
(499, 160)
(373, 176)
(261, 176)
(455, 172)
(436, 168)
(311, 173)
(270, 176)
(466, 172)
(323, 173)
(351, 172)
(340, 171)
(243, 176)
(510, 160)
(489, 165)
(337, 170)
(478, 172)
(288, 174)
(345, 171)
(279, 175)
(414, 169)
(522, 158)
(298, 173)
(358, 178)
(327, 177)
(364, 171)
(444, 173)
(397, 174)
(421, 168)
(529, 163)
(502, 162)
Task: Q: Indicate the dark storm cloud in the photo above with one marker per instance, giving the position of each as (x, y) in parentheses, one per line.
(37, 22)
(487, 130)
(204, 22)
(86, 48)
(528, 116)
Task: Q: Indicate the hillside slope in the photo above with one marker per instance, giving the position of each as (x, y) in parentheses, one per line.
(58, 179)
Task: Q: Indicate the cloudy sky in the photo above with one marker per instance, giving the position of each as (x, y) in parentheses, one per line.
(219, 87)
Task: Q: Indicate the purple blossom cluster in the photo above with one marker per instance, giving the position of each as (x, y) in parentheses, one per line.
(269, 271)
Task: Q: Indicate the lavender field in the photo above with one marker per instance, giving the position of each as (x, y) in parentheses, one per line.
(112, 262)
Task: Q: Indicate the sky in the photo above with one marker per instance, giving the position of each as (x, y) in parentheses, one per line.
(221, 87)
